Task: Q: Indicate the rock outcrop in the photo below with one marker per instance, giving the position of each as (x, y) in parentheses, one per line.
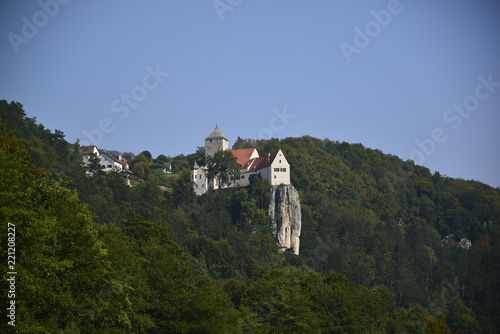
(450, 240)
(284, 211)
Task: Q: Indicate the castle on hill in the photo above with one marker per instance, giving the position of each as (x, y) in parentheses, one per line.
(273, 167)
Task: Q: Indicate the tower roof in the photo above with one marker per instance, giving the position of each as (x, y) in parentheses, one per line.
(216, 134)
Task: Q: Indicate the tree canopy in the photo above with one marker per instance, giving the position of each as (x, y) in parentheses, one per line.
(222, 167)
(384, 244)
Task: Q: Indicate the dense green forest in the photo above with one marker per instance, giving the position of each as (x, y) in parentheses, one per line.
(383, 244)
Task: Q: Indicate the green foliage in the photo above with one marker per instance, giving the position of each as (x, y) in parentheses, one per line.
(241, 143)
(180, 163)
(147, 155)
(161, 159)
(183, 189)
(95, 166)
(49, 150)
(380, 243)
(59, 258)
(140, 164)
(178, 301)
(222, 168)
(199, 157)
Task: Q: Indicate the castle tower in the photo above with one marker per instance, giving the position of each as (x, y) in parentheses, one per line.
(216, 141)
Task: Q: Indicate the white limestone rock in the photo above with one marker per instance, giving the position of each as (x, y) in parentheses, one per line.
(284, 211)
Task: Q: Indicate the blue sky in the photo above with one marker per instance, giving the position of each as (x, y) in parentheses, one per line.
(419, 79)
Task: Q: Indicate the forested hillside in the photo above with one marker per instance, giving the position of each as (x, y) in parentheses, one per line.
(384, 244)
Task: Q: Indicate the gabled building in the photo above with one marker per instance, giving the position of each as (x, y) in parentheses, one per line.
(273, 167)
(167, 167)
(88, 153)
(107, 162)
(123, 161)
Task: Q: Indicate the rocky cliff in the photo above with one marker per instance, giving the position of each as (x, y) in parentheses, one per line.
(285, 214)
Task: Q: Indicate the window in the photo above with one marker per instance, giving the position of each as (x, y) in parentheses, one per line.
(274, 176)
(280, 161)
(242, 177)
(282, 169)
(276, 169)
(109, 166)
(195, 177)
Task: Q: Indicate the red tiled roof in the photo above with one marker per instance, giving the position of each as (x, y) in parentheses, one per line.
(86, 149)
(243, 155)
(261, 162)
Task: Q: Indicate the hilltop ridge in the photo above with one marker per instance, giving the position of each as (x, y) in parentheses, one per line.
(397, 247)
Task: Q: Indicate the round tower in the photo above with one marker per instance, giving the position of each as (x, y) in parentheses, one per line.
(216, 141)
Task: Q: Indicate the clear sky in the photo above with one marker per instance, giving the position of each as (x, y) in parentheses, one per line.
(419, 79)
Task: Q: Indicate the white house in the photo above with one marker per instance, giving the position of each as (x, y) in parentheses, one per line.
(273, 167)
(107, 162)
(88, 152)
(123, 161)
(167, 167)
(110, 164)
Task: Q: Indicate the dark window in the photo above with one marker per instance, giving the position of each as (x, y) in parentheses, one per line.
(276, 169)
(282, 169)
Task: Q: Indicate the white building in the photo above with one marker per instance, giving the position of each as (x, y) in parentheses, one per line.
(273, 167)
(110, 164)
(107, 162)
(88, 153)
